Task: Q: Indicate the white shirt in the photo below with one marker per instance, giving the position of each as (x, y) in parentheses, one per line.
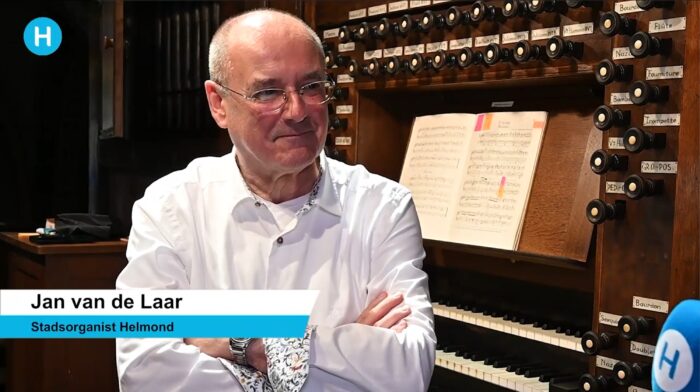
(199, 228)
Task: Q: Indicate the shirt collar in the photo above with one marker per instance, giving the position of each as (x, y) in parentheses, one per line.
(328, 194)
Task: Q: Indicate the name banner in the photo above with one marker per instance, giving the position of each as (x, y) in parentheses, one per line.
(154, 313)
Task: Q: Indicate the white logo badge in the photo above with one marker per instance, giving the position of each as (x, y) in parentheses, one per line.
(673, 361)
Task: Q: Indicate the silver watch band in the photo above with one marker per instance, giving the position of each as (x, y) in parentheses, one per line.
(238, 347)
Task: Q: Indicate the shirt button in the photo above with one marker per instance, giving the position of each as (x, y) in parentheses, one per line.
(280, 240)
(258, 204)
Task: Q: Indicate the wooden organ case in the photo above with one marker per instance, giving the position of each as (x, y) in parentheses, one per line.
(610, 238)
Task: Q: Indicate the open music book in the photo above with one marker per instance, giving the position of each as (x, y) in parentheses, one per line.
(471, 174)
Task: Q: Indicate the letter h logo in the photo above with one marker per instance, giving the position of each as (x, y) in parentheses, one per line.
(671, 362)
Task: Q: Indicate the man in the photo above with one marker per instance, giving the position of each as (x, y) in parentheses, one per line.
(277, 214)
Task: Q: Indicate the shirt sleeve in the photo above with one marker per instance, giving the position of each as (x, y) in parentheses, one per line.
(154, 263)
(378, 359)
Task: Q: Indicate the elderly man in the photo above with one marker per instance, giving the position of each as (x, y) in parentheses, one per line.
(276, 213)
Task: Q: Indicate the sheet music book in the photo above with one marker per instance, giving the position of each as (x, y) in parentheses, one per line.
(471, 174)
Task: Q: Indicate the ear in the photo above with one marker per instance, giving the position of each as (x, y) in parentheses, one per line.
(216, 103)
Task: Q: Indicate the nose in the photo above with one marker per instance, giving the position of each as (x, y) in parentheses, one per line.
(295, 108)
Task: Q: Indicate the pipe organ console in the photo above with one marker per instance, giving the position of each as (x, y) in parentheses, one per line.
(609, 241)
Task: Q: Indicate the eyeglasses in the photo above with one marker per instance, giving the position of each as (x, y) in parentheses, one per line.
(271, 100)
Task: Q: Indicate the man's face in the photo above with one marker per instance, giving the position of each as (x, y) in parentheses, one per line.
(289, 139)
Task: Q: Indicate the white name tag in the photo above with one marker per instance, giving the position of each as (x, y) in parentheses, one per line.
(663, 25)
(659, 167)
(642, 349)
(343, 109)
(356, 14)
(419, 3)
(485, 40)
(388, 52)
(605, 362)
(376, 10)
(502, 104)
(345, 78)
(622, 53)
(398, 6)
(662, 120)
(578, 29)
(346, 47)
(620, 99)
(654, 305)
(608, 319)
(460, 43)
(332, 33)
(545, 33)
(373, 54)
(509, 38)
(440, 1)
(343, 141)
(615, 187)
(659, 73)
(627, 7)
(411, 49)
(435, 46)
(616, 143)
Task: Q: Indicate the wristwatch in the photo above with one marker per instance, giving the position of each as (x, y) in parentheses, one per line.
(237, 346)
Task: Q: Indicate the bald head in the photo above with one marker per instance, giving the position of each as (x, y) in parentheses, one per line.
(248, 30)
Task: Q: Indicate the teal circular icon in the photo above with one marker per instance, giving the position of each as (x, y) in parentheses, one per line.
(42, 36)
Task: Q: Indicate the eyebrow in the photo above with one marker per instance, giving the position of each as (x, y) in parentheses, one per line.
(274, 83)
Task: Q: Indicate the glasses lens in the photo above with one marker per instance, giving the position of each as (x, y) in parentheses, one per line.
(317, 93)
(268, 99)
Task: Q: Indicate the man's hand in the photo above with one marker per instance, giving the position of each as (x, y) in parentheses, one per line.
(385, 312)
(219, 348)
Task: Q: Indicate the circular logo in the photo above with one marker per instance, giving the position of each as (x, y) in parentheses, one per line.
(42, 36)
(673, 361)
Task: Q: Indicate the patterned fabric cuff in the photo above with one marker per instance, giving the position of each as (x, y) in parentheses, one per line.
(287, 366)
(288, 361)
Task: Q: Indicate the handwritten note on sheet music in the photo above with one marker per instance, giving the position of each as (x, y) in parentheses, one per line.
(471, 174)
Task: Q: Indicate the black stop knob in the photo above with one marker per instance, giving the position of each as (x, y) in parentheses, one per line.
(430, 20)
(636, 187)
(606, 117)
(642, 93)
(513, 8)
(341, 93)
(524, 51)
(466, 57)
(612, 23)
(606, 72)
(415, 63)
(392, 65)
(643, 44)
(454, 17)
(344, 34)
(354, 68)
(636, 140)
(632, 326)
(404, 25)
(337, 123)
(649, 4)
(539, 6)
(373, 68)
(362, 31)
(602, 162)
(591, 383)
(625, 373)
(557, 48)
(382, 29)
(494, 53)
(592, 343)
(342, 61)
(329, 59)
(441, 59)
(598, 211)
(481, 11)
(582, 3)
